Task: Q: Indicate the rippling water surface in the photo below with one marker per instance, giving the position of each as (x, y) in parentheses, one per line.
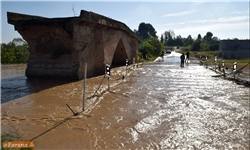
(161, 106)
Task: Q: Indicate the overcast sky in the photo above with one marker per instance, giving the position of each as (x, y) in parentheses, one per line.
(224, 18)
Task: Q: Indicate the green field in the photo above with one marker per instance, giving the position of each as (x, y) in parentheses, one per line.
(211, 55)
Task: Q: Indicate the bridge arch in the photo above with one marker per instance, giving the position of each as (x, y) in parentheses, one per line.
(120, 55)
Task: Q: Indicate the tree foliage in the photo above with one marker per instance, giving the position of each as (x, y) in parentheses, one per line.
(199, 37)
(208, 36)
(150, 46)
(15, 51)
(208, 42)
(168, 37)
(188, 41)
(145, 31)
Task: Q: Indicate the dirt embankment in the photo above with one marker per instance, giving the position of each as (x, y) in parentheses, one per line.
(37, 112)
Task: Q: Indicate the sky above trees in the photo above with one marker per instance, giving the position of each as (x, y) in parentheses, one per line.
(224, 18)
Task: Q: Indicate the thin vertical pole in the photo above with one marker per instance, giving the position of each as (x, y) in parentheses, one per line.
(126, 72)
(108, 84)
(108, 73)
(215, 63)
(84, 86)
(223, 69)
(206, 62)
(234, 69)
(126, 68)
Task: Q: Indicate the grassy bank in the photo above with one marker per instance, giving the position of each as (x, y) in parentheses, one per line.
(211, 55)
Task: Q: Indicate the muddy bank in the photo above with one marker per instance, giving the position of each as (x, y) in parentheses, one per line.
(160, 106)
(29, 116)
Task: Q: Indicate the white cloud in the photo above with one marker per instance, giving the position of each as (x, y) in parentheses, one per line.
(177, 14)
(221, 20)
(239, 30)
(224, 27)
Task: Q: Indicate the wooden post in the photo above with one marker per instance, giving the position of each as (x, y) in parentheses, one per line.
(206, 62)
(108, 84)
(223, 69)
(84, 86)
(224, 73)
(234, 69)
(215, 63)
(108, 73)
(126, 68)
(134, 63)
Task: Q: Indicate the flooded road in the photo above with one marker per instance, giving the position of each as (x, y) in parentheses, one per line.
(159, 106)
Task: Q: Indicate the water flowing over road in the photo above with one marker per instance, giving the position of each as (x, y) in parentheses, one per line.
(187, 108)
(182, 108)
(162, 106)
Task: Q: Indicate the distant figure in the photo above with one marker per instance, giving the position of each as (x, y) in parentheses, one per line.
(182, 59)
(187, 57)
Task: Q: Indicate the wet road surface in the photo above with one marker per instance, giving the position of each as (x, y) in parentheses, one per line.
(159, 106)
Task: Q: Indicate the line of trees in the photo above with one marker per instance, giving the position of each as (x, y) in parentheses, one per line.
(151, 46)
(14, 52)
(208, 42)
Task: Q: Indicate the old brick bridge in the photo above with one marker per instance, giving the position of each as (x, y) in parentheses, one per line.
(158, 106)
(59, 47)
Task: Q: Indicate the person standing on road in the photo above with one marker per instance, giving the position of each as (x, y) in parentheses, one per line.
(182, 59)
(187, 57)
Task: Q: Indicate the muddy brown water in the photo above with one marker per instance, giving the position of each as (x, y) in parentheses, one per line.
(159, 106)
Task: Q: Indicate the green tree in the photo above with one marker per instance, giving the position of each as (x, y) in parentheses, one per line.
(146, 30)
(204, 46)
(196, 45)
(151, 48)
(214, 44)
(162, 39)
(169, 38)
(208, 36)
(188, 41)
(208, 43)
(179, 41)
(199, 37)
(15, 51)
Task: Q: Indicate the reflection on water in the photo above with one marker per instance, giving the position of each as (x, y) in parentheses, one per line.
(14, 83)
(12, 71)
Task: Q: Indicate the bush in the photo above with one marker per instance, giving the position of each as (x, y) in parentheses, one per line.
(14, 52)
(151, 48)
